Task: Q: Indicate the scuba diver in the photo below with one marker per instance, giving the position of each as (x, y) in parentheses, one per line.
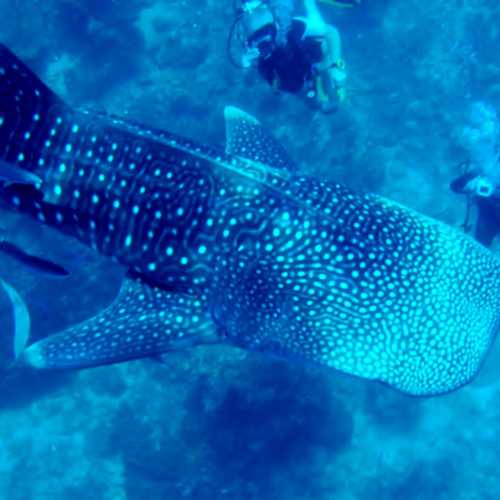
(480, 181)
(298, 55)
(481, 191)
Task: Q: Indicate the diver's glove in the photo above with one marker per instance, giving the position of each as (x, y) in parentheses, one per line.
(248, 58)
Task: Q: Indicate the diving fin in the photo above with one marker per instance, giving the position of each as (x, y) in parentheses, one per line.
(341, 3)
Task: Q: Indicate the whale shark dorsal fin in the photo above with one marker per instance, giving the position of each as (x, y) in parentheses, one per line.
(143, 322)
(247, 138)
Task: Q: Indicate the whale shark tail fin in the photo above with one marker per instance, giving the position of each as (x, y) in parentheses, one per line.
(29, 110)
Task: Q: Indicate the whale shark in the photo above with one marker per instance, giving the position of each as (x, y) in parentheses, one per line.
(236, 246)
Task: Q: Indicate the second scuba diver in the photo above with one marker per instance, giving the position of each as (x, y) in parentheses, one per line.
(481, 180)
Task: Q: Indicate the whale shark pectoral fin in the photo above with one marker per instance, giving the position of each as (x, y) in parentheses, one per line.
(22, 321)
(247, 138)
(142, 322)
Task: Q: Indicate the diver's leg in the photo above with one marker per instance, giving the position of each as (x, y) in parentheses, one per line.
(312, 10)
(315, 25)
(332, 49)
(331, 71)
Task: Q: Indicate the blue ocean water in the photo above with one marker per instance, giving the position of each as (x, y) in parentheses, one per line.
(215, 422)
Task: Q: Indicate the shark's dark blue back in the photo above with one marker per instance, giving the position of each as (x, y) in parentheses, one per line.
(125, 190)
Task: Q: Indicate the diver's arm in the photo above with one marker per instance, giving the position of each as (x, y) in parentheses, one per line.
(249, 57)
(332, 51)
(331, 68)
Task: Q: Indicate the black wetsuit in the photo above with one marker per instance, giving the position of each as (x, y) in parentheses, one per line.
(290, 66)
(488, 220)
(488, 215)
